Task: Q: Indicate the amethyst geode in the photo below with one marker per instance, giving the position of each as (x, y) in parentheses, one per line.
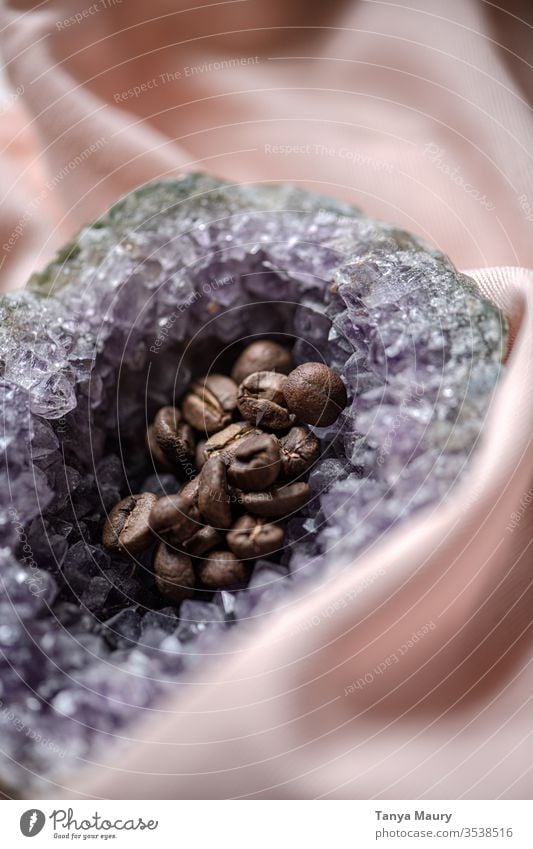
(168, 284)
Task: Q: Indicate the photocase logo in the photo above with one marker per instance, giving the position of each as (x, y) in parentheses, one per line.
(64, 824)
(32, 822)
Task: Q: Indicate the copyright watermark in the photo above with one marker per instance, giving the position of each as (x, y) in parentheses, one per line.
(437, 155)
(346, 154)
(34, 581)
(391, 660)
(186, 72)
(166, 325)
(88, 12)
(51, 184)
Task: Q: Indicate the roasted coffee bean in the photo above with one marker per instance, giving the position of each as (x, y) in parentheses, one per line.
(225, 390)
(174, 437)
(190, 490)
(202, 407)
(255, 462)
(299, 450)
(252, 536)
(181, 530)
(175, 516)
(223, 443)
(261, 400)
(222, 569)
(200, 456)
(235, 495)
(315, 394)
(202, 541)
(174, 575)
(127, 527)
(157, 457)
(213, 496)
(263, 355)
(238, 468)
(278, 501)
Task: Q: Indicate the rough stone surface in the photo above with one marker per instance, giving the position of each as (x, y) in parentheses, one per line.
(144, 298)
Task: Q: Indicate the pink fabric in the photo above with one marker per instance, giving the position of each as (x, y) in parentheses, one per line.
(420, 116)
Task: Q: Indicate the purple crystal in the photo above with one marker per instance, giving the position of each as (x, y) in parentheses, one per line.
(148, 295)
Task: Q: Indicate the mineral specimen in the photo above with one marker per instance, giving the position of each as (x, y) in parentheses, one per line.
(168, 285)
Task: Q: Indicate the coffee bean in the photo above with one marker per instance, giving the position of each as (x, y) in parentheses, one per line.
(262, 355)
(225, 390)
(175, 516)
(202, 541)
(261, 400)
(238, 467)
(315, 394)
(223, 443)
(174, 575)
(299, 450)
(235, 495)
(127, 527)
(255, 462)
(213, 496)
(174, 437)
(221, 570)
(278, 501)
(183, 530)
(190, 491)
(203, 409)
(252, 537)
(200, 455)
(156, 455)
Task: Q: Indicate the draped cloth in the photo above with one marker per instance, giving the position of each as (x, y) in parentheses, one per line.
(419, 114)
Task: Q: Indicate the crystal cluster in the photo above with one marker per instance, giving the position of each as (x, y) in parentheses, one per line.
(165, 286)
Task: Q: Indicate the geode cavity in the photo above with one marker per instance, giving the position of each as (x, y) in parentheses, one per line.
(177, 277)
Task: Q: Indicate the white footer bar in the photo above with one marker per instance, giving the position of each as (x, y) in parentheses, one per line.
(269, 824)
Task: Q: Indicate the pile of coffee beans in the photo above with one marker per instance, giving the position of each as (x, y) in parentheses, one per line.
(240, 445)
